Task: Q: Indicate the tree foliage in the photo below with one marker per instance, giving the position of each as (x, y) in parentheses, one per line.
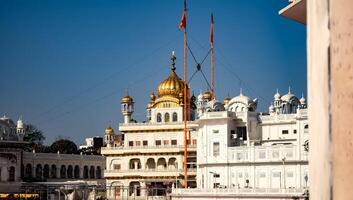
(34, 135)
(64, 146)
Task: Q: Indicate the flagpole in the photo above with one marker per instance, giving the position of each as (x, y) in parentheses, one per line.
(212, 58)
(185, 103)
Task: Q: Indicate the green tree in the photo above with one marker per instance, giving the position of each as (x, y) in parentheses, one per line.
(34, 135)
(64, 146)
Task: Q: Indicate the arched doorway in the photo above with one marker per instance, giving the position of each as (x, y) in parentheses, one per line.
(77, 171)
(39, 171)
(161, 163)
(70, 171)
(150, 164)
(91, 172)
(134, 188)
(46, 171)
(28, 171)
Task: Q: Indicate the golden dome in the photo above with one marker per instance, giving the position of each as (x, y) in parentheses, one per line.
(109, 131)
(171, 86)
(207, 95)
(127, 99)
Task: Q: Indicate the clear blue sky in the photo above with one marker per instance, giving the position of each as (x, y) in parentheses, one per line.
(66, 64)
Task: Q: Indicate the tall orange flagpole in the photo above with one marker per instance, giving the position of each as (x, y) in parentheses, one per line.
(182, 25)
(212, 56)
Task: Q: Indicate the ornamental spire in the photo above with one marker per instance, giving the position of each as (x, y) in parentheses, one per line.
(173, 58)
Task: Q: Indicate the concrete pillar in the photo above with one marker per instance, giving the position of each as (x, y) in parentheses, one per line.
(330, 84)
(81, 172)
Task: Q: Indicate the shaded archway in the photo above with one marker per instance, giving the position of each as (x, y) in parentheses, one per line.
(39, 171)
(28, 171)
(135, 163)
(98, 172)
(175, 117)
(150, 164)
(46, 171)
(12, 172)
(85, 171)
(134, 188)
(91, 172)
(63, 171)
(77, 172)
(159, 117)
(172, 163)
(53, 171)
(70, 171)
(166, 117)
(161, 163)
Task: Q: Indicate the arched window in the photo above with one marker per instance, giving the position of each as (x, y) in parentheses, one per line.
(77, 172)
(46, 171)
(12, 174)
(166, 117)
(28, 171)
(85, 172)
(53, 171)
(70, 171)
(175, 117)
(63, 171)
(98, 172)
(39, 171)
(306, 126)
(159, 117)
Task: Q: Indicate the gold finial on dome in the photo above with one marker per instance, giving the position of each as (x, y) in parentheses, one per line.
(173, 85)
(173, 58)
(109, 130)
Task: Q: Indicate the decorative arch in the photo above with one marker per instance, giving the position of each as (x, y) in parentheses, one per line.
(63, 171)
(92, 172)
(39, 171)
(166, 117)
(28, 171)
(77, 171)
(85, 171)
(12, 172)
(135, 163)
(53, 171)
(70, 171)
(46, 171)
(159, 117)
(150, 164)
(175, 117)
(161, 163)
(172, 163)
(98, 172)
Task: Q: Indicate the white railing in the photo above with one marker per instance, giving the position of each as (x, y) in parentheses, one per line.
(154, 123)
(281, 153)
(149, 170)
(239, 191)
(52, 156)
(146, 147)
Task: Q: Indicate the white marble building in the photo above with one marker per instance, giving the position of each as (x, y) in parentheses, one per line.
(149, 159)
(18, 167)
(240, 148)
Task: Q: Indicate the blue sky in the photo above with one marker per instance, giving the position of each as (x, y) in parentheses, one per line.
(66, 64)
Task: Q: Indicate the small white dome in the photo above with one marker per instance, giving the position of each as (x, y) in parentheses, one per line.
(302, 100)
(277, 96)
